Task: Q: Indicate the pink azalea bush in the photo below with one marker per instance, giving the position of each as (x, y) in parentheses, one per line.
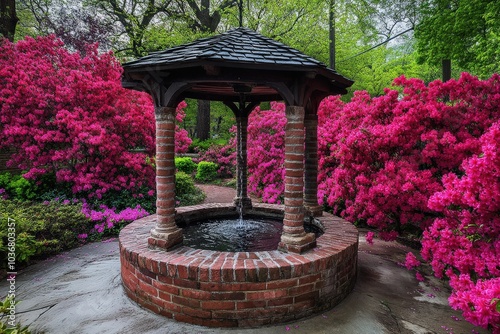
(105, 219)
(464, 244)
(182, 140)
(68, 115)
(382, 158)
(266, 153)
(401, 158)
(223, 155)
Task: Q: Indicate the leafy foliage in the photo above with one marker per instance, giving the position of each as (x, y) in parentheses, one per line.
(465, 31)
(222, 155)
(185, 164)
(464, 243)
(5, 309)
(17, 187)
(186, 193)
(121, 200)
(68, 116)
(206, 172)
(204, 145)
(41, 228)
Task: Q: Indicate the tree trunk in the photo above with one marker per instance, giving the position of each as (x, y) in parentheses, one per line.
(203, 120)
(8, 19)
(331, 24)
(446, 69)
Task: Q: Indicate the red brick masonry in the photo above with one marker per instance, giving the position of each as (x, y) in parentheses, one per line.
(241, 289)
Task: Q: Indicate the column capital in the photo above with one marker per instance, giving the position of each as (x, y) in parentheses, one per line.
(165, 114)
(295, 114)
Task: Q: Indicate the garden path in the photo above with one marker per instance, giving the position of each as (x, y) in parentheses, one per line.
(217, 194)
(80, 292)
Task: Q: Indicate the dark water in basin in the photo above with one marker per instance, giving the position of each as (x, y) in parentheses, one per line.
(233, 235)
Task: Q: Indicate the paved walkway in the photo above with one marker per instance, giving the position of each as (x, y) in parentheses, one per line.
(216, 194)
(80, 292)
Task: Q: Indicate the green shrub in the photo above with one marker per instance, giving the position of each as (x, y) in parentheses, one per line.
(18, 187)
(186, 193)
(50, 189)
(231, 183)
(207, 171)
(185, 164)
(42, 229)
(6, 323)
(5, 180)
(203, 145)
(184, 184)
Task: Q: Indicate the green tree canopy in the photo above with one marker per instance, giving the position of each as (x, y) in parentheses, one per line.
(465, 31)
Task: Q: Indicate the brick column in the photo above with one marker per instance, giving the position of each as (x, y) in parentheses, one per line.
(242, 199)
(165, 234)
(311, 167)
(294, 239)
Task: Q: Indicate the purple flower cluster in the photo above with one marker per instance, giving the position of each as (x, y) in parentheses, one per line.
(106, 218)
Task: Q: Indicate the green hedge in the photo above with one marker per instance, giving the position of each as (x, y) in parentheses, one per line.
(18, 187)
(41, 229)
(203, 145)
(6, 323)
(207, 171)
(186, 193)
(185, 164)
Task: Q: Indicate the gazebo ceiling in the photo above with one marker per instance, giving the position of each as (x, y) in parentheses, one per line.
(228, 66)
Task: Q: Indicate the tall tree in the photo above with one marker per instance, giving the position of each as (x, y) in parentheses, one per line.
(466, 32)
(204, 17)
(75, 25)
(331, 28)
(135, 17)
(8, 19)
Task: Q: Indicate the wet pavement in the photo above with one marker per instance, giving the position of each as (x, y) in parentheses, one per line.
(80, 292)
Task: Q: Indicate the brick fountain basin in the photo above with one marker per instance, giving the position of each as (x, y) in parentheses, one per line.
(238, 289)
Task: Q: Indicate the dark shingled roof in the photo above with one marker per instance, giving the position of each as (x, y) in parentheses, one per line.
(237, 45)
(222, 67)
(242, 46)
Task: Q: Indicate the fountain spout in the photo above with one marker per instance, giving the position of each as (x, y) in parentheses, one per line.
(242, 201)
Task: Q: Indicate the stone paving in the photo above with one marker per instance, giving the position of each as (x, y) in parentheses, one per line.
(80, 291)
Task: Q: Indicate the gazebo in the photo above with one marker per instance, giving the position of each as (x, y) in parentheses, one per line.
(306, 274)
(241, 68)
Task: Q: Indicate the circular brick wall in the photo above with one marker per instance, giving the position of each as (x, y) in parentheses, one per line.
(241, 289)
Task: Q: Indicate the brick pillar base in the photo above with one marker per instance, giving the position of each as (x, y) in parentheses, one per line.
(299, 244)
(294, 239)
(165, 235)
(245, 202)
